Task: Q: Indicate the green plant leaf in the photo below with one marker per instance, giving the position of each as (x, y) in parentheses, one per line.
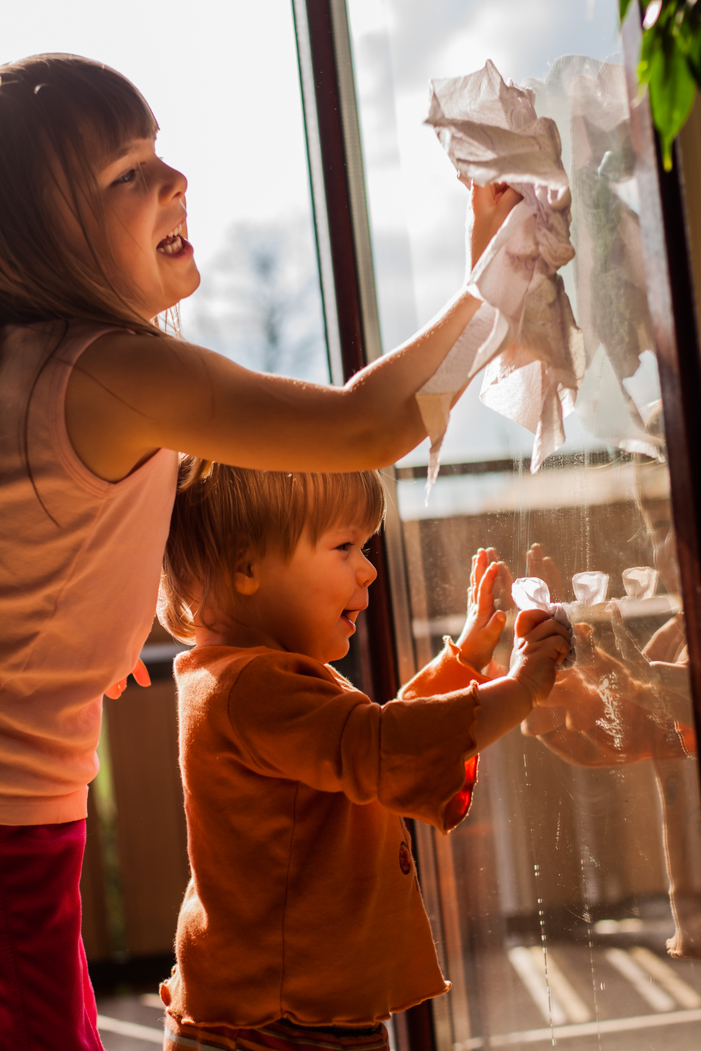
(670, 63)
(693, 56)
(672, 92)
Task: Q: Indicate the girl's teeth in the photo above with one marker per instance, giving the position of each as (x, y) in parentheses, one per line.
(173, 248)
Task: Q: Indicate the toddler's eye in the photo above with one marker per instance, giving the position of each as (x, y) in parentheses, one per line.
(344, 547)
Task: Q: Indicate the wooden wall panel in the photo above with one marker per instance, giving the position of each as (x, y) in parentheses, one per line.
(151, 836)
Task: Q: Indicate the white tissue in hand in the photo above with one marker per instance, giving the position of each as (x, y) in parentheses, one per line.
(640, 582)
(533, 593)
(590, 588)
(491, 133)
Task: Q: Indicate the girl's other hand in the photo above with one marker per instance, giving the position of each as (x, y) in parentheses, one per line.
(540, 645)
(141, 675)
(484, 623)
(490, 207)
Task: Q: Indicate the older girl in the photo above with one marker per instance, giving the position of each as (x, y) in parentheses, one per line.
(95, 401)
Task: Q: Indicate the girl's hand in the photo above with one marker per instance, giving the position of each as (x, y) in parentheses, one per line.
(540, 644)
(490, 207)
(141, 675)
(484, 623)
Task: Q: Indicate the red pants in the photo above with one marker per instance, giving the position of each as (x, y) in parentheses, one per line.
(46, 999)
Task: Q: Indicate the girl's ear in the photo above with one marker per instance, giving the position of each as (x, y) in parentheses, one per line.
(247, 576)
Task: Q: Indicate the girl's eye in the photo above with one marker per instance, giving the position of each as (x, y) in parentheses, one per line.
(366, 551)
(345, 547)
(126, 178)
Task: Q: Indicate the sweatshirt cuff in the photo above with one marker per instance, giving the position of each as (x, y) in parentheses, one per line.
(457, 808)
(455, 653)
(446, 673)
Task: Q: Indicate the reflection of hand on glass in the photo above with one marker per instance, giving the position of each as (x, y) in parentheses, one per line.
(666, 694)
(609, 712)
(484, 623)
(540, 565)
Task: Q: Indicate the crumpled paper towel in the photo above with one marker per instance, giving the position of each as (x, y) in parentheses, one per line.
(524, 330)
(590, 587)
(611, 284)
(533, 593)
(640, 582)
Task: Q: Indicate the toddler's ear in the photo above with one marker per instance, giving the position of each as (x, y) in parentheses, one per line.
(246, 580)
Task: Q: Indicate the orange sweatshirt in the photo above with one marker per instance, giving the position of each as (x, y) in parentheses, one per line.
(303, 902)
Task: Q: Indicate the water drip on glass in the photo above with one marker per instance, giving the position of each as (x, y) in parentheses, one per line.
(587, 920)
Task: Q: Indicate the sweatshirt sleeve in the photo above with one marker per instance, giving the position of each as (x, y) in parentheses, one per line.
(292, 718)
(445, 673)
(448, 672)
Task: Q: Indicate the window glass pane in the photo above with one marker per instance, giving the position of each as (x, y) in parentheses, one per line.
(554, 901)
(222, 80)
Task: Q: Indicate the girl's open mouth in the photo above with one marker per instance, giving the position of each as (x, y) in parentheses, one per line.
(174, 243)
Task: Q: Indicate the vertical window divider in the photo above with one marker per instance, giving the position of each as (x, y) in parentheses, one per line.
(353, 333)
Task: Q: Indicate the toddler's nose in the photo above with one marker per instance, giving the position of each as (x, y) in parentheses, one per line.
(366, 573)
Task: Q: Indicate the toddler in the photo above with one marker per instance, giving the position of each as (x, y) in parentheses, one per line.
(303, 921)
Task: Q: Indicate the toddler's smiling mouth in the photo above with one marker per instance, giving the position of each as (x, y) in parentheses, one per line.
(350, 615)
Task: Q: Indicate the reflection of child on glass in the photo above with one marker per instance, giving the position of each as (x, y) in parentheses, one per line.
(303, 910)
(643, 712)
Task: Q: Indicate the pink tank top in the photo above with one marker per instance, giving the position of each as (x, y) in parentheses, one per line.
(77, 593)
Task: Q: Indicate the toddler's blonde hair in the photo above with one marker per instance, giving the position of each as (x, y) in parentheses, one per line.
(234, 512)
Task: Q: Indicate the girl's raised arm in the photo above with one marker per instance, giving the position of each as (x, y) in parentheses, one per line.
(132, 394)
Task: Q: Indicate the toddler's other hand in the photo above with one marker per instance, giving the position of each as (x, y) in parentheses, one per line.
(490, 207)
(484, 623)
(140, 673)
(540, 644)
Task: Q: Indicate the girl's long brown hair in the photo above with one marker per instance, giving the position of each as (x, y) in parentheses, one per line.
(62, 117)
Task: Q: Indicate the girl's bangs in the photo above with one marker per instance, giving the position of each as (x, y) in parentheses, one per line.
(104, 107)
(82, 103)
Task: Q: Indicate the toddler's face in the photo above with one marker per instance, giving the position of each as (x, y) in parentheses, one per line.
(310, 604)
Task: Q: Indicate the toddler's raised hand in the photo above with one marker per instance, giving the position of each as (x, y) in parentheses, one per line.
(484, 623)
(540, 644)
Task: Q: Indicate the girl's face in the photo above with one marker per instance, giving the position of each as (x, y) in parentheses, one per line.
(145, 215)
